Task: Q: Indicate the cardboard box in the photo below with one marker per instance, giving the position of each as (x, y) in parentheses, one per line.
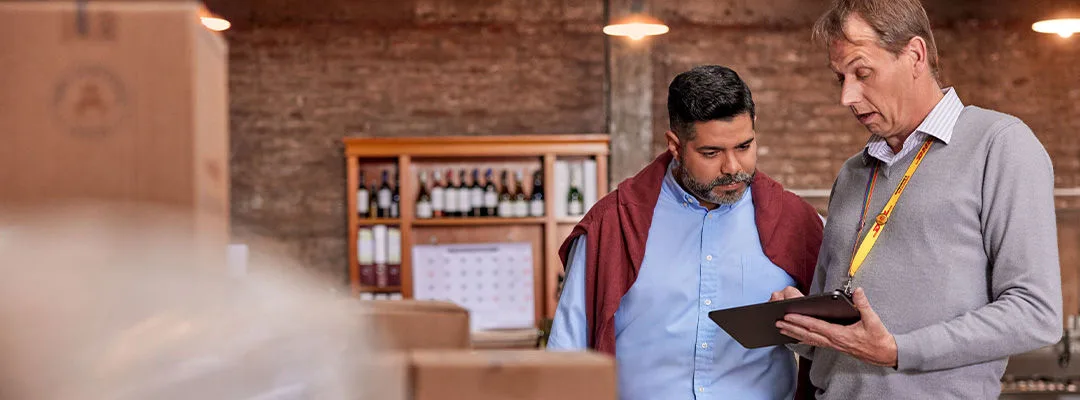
(116, 102)
(417, 324)
(511, 374)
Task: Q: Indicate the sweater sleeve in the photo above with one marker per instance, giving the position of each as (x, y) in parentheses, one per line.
(1020, 238)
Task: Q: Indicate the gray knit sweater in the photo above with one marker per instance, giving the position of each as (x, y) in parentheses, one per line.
(966, 272)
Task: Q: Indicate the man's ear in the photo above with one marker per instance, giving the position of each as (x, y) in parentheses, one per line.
(673, 144)
(916, 49)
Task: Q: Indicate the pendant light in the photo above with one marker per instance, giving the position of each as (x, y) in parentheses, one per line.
(213, 21)
(1064, 27)
(637, 25)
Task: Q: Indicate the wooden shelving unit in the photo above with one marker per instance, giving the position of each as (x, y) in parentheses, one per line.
(545, 233)
(478, 221)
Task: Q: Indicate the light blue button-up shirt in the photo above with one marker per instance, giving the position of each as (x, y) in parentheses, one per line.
(696, 261)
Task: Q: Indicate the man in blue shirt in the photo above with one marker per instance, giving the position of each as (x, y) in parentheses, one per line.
(716, 234)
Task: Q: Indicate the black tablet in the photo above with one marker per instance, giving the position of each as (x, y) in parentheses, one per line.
(754, 326)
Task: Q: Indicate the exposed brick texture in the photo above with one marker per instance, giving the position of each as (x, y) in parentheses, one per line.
(298, 87)
(305, 75)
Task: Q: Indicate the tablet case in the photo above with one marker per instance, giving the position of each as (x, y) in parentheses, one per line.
(754, 326)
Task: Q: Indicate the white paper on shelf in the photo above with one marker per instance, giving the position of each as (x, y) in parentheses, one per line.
(365, 246)
(562, 186)
(494, 281)
(380, 234)
(393, 246)
(588, 172)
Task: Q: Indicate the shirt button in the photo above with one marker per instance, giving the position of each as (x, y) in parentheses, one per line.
(708, 257)
(704, 345)
(700, 389)
(708, 302)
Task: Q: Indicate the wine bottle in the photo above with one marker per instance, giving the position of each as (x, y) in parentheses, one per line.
(382, 272)
(373, 200)
(476, 196)
(491, 195)
(521, 206)
(365, 252)
(506, 208)
(393, 259)
(362, 200)
(423, 200)
(451, 208)
(575, 201)
(395, 199)
(385, 195)
(464, 202)
(536, 200)
(438, 195)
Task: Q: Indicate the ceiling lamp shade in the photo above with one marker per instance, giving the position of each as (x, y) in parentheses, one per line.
(1063, 27)
(636, 27)
(212, 21)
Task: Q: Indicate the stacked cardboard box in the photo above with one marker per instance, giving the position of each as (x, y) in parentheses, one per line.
(107, 103)
(429, 358)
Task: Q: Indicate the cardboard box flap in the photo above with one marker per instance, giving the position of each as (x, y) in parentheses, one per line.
(512, 374)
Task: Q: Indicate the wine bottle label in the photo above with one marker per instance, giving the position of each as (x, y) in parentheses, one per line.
(476, 198)
(382, 275)
(394, 210)
(505, 209)
(463, 204)
(491, 200)
(575, 208)
(424, 210)
(384, 198)
(521, 209)
(451, 201)
(536, 208)
(438, 199)
(362, 202)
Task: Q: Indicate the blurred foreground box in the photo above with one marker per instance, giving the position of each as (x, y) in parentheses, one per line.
(403, 325)
(115, 102)
(511, 374)
(492, 375)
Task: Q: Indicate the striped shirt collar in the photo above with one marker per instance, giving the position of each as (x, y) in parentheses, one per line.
(939, 124)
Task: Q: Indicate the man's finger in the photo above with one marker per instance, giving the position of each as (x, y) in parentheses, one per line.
(803, 335)
(811, 323)
(791, 292)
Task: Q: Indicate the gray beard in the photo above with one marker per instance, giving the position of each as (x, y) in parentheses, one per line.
(706, 192)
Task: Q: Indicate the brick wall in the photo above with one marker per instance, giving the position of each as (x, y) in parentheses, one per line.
(302, 79)
(298, 86)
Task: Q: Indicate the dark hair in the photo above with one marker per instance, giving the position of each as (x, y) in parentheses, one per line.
(706, 93)
(895, 21)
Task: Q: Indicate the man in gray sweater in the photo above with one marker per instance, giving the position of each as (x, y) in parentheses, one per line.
(944, 223)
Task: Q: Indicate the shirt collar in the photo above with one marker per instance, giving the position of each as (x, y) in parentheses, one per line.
(939, 123)
(673, 191)
(941, 120)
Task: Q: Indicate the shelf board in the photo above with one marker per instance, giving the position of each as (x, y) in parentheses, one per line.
(378, 221)
(375, 289)
(477, 221)
(568, 220)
